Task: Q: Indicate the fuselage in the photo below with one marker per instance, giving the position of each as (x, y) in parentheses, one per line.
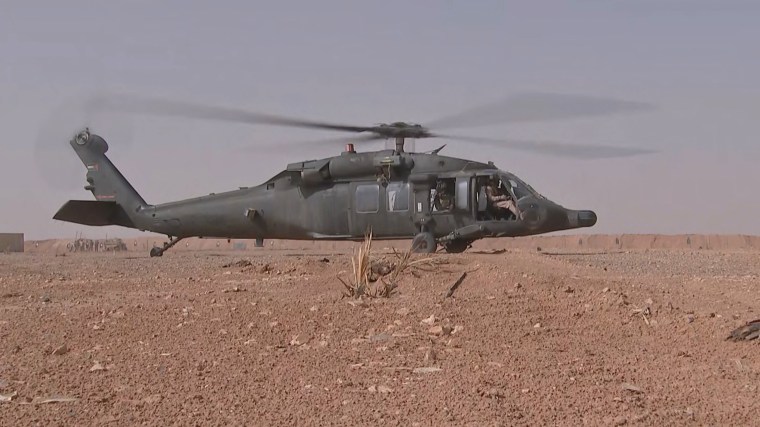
(343, 197)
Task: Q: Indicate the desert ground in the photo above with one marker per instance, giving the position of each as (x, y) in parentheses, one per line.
(264, 336)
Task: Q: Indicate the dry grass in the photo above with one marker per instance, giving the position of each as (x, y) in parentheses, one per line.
(360, 262)
(387, 285)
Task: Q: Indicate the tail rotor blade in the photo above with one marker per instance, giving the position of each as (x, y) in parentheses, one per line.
(55, 161)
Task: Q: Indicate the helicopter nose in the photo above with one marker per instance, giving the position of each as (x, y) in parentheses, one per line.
(581, 218)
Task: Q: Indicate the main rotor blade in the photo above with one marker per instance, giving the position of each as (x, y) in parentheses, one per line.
(559, 149)
(357, 139)
(141, 105)
(532, 107)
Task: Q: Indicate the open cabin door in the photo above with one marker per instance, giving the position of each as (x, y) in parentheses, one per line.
(443, 203)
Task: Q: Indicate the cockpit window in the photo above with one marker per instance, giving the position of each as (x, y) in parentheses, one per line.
(519, 187)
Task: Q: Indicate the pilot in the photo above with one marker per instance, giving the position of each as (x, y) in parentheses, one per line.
(443, 198)
(499, 198)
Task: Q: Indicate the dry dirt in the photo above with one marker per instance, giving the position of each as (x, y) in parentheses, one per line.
(529, 337)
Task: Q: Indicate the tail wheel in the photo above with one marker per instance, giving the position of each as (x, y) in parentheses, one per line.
(424, 243)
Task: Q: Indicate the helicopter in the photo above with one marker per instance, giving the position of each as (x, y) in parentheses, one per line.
(435, 200)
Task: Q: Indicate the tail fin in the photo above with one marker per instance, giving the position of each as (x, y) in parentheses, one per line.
(104, 180)
(117, 201)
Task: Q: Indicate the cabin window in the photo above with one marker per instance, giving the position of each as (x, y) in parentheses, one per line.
(463, 193)
(398, 197)
(367, 198)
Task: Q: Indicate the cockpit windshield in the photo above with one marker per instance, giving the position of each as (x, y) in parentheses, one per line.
(519, 187)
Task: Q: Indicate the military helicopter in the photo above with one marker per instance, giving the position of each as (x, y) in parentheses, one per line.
(435, 200)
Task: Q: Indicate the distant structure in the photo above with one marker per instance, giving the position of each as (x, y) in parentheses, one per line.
(90, 245)
(12, 242)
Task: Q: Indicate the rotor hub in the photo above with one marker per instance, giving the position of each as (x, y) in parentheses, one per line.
(401, 130)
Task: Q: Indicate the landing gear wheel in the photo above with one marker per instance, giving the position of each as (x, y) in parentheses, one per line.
(456, 246)
(424, 243)
(156, 251)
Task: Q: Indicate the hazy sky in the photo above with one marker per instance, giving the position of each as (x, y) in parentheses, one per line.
(368, 62)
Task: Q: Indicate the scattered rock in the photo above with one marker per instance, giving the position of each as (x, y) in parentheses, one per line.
(429, 321)
(11, 295)
(97, 367)
(358, 303)
(153, 399)
(381, 268)
(632, 388)
(750, 331)
(619, 421)
(605, 290)
(440, 330)
(689, 413)
(430, 356)
(60, 351)
(384, 389)
(239, 264)
(494, 393)
(7, 397)
(537, 325)
(299, 340)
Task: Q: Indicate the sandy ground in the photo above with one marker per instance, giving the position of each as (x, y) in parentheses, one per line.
(529, 337)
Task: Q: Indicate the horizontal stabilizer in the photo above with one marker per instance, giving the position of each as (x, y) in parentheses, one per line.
(93, 212)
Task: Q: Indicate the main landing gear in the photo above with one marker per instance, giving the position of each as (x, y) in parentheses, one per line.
(156, 251)
(424, 242)
(457, 246)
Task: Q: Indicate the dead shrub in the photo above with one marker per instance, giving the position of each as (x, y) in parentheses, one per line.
(383, 273)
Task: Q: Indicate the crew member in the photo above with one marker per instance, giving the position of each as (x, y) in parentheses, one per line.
(500, 199)
(443, 198)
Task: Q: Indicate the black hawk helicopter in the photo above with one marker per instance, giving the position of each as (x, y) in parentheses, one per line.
(397, 194)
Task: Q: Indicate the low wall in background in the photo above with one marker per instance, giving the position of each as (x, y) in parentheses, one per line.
(11, 242)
